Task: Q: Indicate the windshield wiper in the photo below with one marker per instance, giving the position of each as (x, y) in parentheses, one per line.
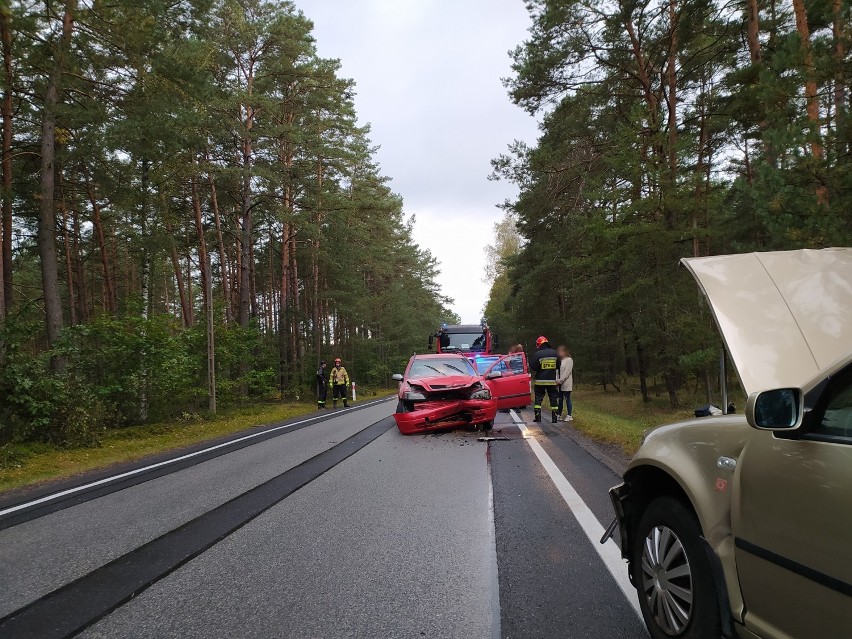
(436, 370)
(457, 369)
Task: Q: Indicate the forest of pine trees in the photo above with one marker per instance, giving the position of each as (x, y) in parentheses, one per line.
(670, 128)
(153, 148)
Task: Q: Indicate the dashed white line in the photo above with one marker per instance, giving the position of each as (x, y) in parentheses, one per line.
(608, 552)
(130, 473)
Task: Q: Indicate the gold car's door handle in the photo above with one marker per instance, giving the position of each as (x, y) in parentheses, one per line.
(726, 463)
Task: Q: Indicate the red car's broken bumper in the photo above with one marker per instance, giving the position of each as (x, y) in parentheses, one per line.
(441, 415)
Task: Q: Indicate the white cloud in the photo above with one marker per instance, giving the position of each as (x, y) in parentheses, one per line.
(428, 76)
(459, 244)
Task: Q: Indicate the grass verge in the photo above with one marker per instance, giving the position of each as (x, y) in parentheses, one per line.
(620, 418)
(33, 463)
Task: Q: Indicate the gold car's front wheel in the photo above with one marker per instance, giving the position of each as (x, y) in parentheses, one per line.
(673, 575)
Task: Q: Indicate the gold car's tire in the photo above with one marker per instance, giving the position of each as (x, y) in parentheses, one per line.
(673, 575)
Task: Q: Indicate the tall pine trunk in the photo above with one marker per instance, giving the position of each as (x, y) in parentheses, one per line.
(109, 288)
(246, 266)
(223, 263)
(286, 331)
(700, 187)
(190, 297)
(69, 267)
(642, 363)
(202, 241)
(145, 275)
(840, 106)
(671, 105)
(297, 342)
(246, 253)
(811, 97)
(6, 184)
(82, 298)
(315, 270)
(47, 214)
(284, 308)
(753, 27)
(237, 264)
(185, 309)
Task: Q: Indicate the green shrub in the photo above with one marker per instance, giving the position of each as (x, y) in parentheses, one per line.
(79, 418)
(27, 390)
(123, 360)
(36, 405)
(120, 371)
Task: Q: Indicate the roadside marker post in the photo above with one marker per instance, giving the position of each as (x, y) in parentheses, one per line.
(353, 391)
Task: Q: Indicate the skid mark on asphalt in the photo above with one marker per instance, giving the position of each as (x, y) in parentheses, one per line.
(29, 509)
(391, 544)
(71, 608)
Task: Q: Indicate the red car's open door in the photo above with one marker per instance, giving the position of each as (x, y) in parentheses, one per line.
(509, 381)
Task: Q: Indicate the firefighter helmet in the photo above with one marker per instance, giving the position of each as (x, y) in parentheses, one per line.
(541, 340)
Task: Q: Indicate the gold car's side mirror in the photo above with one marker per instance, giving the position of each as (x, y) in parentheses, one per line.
(778, 409)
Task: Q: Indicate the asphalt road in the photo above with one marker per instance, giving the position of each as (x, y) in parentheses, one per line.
(330, 527)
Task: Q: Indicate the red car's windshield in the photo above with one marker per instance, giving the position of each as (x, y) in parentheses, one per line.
(433, 366)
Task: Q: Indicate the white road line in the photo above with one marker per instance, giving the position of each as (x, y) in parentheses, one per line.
(130, 473)
(496, 631)
(609, 552)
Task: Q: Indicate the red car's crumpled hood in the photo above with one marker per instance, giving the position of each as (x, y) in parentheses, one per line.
(444, 382)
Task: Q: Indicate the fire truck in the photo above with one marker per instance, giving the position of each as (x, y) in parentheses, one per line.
(468, 339)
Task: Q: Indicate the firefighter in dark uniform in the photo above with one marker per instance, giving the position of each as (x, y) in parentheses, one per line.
(322, 385)
(544, 363)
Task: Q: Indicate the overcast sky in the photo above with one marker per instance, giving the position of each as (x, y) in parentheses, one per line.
(428, 76)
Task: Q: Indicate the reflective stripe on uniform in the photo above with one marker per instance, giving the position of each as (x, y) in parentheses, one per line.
(545, 382)
(547, 363)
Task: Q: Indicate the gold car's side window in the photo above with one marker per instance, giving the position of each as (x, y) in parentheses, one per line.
(837, 420)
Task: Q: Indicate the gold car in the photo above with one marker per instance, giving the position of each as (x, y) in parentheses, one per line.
(741, 526)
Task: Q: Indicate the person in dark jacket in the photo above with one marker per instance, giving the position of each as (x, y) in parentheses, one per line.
(322, 385)
(544, 364)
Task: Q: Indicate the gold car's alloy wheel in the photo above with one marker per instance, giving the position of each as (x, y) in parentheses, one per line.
(667, 580)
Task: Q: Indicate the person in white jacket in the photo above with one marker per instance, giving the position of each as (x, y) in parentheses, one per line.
(565, 382)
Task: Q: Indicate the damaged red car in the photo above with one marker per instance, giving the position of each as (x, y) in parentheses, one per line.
(444, 391)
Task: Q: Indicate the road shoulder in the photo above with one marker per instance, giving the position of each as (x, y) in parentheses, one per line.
(552, 582)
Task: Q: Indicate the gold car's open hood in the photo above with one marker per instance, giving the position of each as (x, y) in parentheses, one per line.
(784, 315)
